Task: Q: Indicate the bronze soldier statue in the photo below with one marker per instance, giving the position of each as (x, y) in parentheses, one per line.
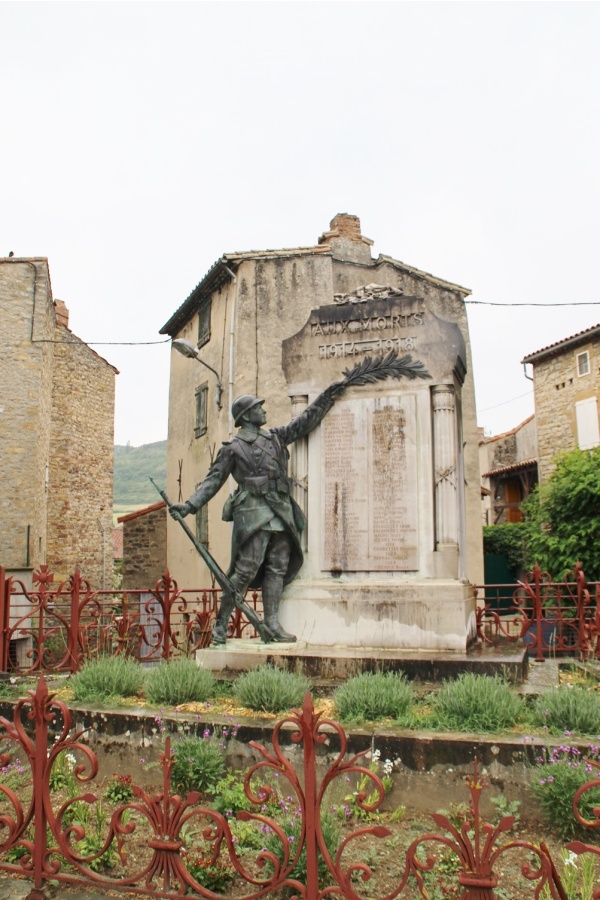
(267, 521)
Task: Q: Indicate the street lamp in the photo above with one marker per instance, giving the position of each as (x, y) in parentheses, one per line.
(186, 348)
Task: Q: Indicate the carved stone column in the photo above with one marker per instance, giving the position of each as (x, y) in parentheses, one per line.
(299, 466)
(445, 466)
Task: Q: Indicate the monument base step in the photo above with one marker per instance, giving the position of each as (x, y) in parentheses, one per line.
(331, 665)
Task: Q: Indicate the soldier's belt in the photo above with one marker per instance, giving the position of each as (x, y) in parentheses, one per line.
(262, 485)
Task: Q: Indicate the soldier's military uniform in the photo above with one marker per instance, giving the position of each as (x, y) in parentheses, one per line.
(267, 521)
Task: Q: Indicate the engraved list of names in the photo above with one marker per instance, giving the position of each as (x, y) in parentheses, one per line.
(369, 516)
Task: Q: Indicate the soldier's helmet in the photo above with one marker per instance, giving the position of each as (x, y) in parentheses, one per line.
(242, 405)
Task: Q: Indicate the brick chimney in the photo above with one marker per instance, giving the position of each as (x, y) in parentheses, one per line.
(345, 239)
(62, 313)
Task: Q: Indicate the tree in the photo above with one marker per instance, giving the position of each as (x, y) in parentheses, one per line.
(562, 517)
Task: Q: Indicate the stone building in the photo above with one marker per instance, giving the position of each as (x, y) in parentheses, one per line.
(566, 383)
(56, 440)
(253, 316)
(144, 546)
(508, 472)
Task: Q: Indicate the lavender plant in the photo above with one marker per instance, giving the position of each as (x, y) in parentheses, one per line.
(559, 773)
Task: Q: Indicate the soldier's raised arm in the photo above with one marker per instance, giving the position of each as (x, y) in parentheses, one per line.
(312, 415)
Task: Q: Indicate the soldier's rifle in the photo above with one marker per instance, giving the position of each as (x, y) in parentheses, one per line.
(222, 579)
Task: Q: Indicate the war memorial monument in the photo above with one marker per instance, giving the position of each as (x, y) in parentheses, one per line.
(380, 492)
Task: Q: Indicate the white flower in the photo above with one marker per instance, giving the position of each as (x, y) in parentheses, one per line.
(571, 859)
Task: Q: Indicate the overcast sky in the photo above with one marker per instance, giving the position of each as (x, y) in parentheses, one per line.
(140, 141)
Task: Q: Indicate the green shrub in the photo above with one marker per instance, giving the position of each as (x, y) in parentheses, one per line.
(569, 709)
(230, 796)
(554, 782)
(180, 681)
(271, 689)
(509, 540)
(107, 677)
(199, 765)
(562, 516)
(373, 695)
(476, 703)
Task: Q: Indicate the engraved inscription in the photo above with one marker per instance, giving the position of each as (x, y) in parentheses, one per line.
(375, 345)
(370, 486)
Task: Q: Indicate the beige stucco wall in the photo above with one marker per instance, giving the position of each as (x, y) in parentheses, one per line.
(557, 388)
(526, 441)
(272, 298)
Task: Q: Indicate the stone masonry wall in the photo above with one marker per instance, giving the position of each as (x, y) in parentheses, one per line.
(81, 462)
(144, 547)
(26, 363)
(557, 389)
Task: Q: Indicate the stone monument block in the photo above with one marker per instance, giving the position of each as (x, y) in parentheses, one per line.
(381, 481)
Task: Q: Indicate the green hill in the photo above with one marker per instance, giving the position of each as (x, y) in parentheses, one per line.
(133, 468)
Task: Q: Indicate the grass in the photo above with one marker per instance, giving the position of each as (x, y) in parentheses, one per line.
(107, 677)
(180, 681)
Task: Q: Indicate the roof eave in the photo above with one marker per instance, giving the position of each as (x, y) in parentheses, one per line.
(514, 467)
(425, 276)
(216, 275)
(582, 338)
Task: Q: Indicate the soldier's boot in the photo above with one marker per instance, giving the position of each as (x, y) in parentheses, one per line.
(219, 632)
(271, 592)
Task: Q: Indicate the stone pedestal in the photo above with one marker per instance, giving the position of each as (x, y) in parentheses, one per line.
(359, 612)
(381, 482)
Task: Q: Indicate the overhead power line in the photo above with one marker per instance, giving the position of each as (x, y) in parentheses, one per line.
(102, 343)
(527, 303)
(504, 402)
(125, 343)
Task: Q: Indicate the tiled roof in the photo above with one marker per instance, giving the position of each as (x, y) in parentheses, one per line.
(142, 512)
(515, 467)
(497, 437)
(558, 346)
(221, 271)
(223, 268)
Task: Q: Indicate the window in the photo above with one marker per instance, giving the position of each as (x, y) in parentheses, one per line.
(588, 432)
(201, 407)
(583, 363)
(204, 322)
(202, 525)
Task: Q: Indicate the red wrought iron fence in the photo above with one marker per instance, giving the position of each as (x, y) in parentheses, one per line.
(151, 835)
(552, 618)
(56, 626)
